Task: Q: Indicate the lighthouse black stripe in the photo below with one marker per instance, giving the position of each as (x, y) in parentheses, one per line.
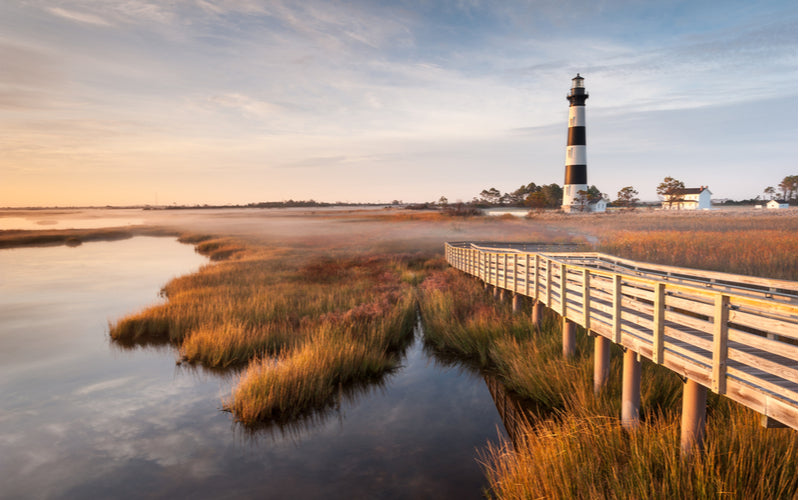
(575, 174)
(577, 100)
(576, 136)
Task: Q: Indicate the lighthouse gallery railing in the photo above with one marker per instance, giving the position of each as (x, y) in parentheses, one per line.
(736, 335)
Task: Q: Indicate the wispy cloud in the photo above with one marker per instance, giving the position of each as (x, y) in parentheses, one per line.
(79, 17)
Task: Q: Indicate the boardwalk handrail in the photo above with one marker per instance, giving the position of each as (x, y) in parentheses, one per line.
(736, 335)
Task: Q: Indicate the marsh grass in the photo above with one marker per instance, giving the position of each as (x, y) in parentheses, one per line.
(461, 318)
(580, 456)
(303, 323)
(768, 253)
(308, 378)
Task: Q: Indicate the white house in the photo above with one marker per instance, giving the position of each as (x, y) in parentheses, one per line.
(777, 204)
(689, 199)
(597, 206)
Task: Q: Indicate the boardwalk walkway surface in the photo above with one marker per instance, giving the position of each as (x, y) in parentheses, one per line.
(736, 335)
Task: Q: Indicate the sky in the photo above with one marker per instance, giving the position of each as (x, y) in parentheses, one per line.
(133, 102)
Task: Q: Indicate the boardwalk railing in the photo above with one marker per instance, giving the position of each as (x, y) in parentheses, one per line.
(736, 335)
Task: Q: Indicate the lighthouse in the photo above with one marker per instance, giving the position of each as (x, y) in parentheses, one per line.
(575, 173)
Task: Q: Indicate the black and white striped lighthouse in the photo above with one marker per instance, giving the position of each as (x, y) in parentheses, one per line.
(575, 174)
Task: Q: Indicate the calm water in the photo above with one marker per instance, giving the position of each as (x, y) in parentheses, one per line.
(81, 418)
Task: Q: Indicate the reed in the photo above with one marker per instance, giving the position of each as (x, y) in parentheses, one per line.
(308, 378)
(461, 318)
(578, 456)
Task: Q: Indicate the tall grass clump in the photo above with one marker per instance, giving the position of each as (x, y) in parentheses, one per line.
(461, 318)
(578, 456)
(304, 324)
(308, 378)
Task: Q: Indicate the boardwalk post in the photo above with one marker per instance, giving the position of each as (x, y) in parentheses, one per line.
(563, 290)
(528, 274)
(616, 321)
(602, 359)
(549, 285)
(514, 276)
(631, 389)
(693, 418)
(586, 302)
(720, 352)
(505, 271)
(516, 302)
(568, 329)
(536, 312)
(658, 324)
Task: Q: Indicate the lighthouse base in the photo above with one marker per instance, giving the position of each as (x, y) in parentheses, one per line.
(572, 201)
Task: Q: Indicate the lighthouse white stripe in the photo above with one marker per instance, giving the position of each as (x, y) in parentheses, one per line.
(576, 155)
(571, 193)
(577, 116)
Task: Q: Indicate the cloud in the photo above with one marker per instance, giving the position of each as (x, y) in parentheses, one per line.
(79, 17)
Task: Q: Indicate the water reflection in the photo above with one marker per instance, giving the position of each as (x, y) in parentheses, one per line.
(513, 411)
(35, 222)
(81, 419)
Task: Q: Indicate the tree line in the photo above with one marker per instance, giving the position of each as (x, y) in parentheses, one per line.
(787, 189)
(550, 195)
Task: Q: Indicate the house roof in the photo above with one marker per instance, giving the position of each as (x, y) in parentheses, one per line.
(693, 190)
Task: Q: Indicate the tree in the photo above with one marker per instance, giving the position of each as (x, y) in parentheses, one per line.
(490, 196)
(769, 193)
(626, 197)
(582, 199)
(671, 190)
(788, 187)
(554, 194)
(593, 194)
(443, 201)
(536, 199)
(519, 196)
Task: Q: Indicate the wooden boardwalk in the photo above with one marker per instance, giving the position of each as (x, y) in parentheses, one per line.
(736, 335)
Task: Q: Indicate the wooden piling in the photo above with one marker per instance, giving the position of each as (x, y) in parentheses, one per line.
(568, 329)
(631, 389)
(536, 312)
(693, 418)
(516, 302)
(602, 359)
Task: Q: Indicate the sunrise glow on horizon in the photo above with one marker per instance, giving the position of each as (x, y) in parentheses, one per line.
(238, 101)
